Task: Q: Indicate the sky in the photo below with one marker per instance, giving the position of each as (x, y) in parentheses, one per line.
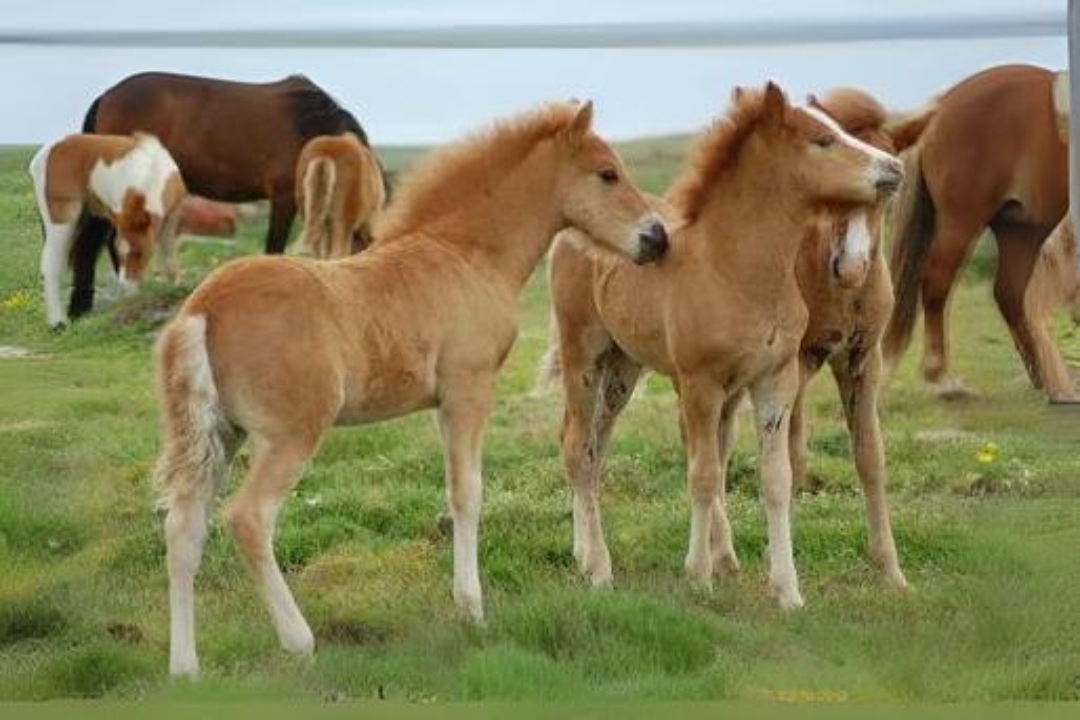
(422, 95)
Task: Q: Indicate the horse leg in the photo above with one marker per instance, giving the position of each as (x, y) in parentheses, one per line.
(701, 403)
(54, 260)
(462, 415)
(725, 561)
(773, 397)
(1018, 248)
(282, 212)
(797, 444)
(251, 515)
(94, 234)
(169, 242)
(857, 377)
(950, 247)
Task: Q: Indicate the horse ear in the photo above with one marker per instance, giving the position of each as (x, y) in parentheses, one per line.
(580, 125)
(775, 104)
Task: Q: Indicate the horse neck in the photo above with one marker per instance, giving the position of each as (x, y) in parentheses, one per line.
(508, 225)
(753, 224)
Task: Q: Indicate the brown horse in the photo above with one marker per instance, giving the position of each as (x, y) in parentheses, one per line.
(993, 154)
(846, 286)
(719, 314)
(131, 184)
(233, 141)
(340, 192)
(423, 319)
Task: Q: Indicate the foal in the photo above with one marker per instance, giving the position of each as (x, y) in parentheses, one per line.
(130, 181)
(720, 313)
(440, 287)
(340, 191)
(846, 286)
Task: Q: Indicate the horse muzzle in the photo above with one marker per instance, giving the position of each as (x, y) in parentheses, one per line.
(889, 177)
(652, 244)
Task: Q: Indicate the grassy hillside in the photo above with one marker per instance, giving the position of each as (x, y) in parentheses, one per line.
(985, 496)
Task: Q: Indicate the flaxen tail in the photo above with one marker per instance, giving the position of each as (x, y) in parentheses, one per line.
(194, 458)
(1053, 284)
(912, 230)
(320, 177)
(549, 370)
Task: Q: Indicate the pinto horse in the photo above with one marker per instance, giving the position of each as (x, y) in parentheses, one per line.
(994, 153)
(130, 183)
(233, 141)
(720, 314)
(340, 192)
(422, 319)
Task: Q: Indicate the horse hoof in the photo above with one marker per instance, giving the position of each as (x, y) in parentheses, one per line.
(954, 389)
(789, 600)
(726, 565)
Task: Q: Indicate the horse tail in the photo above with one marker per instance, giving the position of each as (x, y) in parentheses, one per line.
(320, 177)
(549, 370)
(912, 230)
(1053, 283)
(194, 456)
(90, 121)
(908, 130)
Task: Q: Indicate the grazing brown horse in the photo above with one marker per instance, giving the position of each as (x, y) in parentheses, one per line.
(207, 218)
(1053, 283)
(719, 314)
(129, 183)
(340, 192)
(422, 319)
(994, 153)
(233, 141)
(845, 283)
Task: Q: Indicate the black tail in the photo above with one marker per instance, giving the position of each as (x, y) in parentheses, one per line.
(912, 232)
(89, 124)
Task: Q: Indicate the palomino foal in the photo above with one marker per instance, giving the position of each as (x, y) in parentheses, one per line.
(340, 191)
(130, 181)
(845, 283)
(440, 291)
(720, 313)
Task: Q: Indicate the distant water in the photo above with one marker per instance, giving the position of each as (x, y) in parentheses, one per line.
(422, 96)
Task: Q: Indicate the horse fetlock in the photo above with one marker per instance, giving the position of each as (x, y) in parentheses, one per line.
(297, 639)
(725, 563)
(699, 569)
(787, 593)
(184, 668)
(470, 604)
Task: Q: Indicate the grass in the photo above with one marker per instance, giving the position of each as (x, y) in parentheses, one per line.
(990, 539)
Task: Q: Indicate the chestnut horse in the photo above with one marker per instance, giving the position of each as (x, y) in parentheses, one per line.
(340, 192)
(423, 319)
(130, 183)
(233, 141)
(994, 154)
(719, 314)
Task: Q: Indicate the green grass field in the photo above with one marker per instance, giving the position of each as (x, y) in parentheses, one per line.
(985, 496)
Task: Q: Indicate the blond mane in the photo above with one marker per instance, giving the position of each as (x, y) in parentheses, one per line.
(853, 109)
(442, 182)
(716, 151)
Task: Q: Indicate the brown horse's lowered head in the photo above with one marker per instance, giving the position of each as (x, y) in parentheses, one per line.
(854, 238)
(136, 229)
(597, 196)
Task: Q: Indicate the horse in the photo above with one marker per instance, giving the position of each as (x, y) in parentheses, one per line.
(994, 153)
(1053, 283)
(207, 218)
(130, 183)
(340, 192)
(422, 319)
(846, 286)
(233, 141)
(720, 313)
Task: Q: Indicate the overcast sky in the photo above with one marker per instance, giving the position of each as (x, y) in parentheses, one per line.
(423, 95)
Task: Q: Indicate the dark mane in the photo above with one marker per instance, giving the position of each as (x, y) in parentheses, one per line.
(315, 112)
(716, 151)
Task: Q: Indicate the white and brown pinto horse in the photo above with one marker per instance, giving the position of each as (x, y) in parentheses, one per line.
(340, 191)
(130, 181)
(421, 320)
(721, 313)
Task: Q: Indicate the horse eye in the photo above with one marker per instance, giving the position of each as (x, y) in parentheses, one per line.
(609, 176)
(824, 141)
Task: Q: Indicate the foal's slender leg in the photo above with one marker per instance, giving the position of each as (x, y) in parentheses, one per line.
(462, 416)
(701, 402)
(725, 562)
(773, 397)
(1018, 248)
(857, 378)
(252, 514)
(169, 242)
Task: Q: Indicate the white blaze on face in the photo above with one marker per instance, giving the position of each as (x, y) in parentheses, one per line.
(881, 159)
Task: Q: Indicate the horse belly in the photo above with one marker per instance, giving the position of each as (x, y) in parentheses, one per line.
(382, 396)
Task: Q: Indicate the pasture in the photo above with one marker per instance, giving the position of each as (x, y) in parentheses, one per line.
(985, 499)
